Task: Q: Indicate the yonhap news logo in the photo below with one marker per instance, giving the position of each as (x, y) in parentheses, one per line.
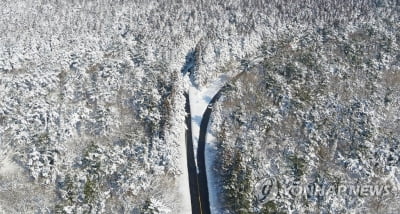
(271, 188)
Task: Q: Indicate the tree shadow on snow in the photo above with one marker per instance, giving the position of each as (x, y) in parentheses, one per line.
(189, 63)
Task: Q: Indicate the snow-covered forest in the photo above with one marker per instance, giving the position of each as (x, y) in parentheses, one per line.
(92, 101)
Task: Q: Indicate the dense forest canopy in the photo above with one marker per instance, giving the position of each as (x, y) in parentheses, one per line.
(91, 101)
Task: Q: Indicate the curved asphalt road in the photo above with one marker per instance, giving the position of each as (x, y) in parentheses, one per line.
(198, 182)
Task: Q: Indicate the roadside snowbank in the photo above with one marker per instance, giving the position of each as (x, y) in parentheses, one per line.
(178, 128)
(182, 179)
(199, 101)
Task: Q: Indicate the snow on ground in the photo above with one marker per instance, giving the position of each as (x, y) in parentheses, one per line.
(8, 166)
(199, 100)
(213, 187)
(182, 180)
(178, 134)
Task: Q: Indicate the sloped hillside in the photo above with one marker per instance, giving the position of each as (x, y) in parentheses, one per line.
(92, 101)
(321, 108)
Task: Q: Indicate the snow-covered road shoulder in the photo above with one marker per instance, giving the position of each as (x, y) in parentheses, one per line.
(199, 100)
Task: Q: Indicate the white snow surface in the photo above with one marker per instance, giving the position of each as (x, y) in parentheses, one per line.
(199, 99)
(182, 179)
(178, 135)
(8, 166)
(213, 187)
